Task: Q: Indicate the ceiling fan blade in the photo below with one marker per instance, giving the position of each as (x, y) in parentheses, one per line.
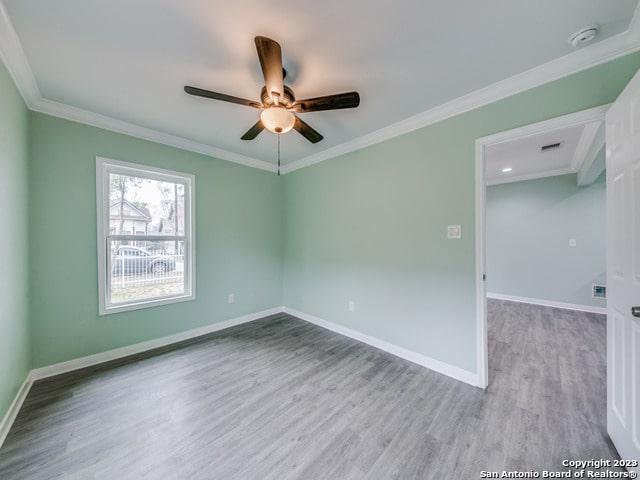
(199, 92)
(328, 102)
(306, 131)
(253, 131)
(270, 56)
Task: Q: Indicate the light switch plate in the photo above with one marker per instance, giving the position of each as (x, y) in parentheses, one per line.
(572, 242)
(454, 231)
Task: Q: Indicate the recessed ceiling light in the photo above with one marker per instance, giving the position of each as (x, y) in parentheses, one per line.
(505, 170)
(584, 36)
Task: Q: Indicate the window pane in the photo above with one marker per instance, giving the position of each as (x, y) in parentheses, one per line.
(147, 270)
(145, 206)
(145, 233)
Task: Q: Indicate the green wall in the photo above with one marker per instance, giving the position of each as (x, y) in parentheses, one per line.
(15, 353)
(238, 241)
(370, 226)
(529, 225)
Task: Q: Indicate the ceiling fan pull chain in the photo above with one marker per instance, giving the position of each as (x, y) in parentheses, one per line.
(278, 154)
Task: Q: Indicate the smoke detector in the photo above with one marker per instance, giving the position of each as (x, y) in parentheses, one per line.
(584, 36)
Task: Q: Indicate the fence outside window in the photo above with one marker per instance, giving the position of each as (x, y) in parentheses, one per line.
(146, 269)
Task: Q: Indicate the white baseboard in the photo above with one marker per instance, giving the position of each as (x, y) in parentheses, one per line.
(549, 303)
(78, 363)
(109, 355)
(422, 360)
(14, 408)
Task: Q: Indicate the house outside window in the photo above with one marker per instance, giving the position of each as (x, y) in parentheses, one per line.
(146, 254)
(124, 216)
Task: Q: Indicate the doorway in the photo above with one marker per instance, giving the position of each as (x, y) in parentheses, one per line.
(494, 143)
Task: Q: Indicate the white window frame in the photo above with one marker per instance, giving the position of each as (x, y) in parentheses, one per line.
(106, 166)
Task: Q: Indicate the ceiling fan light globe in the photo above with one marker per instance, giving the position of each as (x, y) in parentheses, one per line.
(277, 119)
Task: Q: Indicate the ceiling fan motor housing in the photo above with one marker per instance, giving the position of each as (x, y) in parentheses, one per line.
(286, 100)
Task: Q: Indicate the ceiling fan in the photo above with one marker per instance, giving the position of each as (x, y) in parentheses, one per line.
(279, 105)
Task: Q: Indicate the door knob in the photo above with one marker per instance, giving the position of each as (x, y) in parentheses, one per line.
(635, 311)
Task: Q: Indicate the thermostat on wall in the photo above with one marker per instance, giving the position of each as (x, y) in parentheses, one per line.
(599, 291)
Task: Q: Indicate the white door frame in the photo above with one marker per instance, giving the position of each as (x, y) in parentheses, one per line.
(573, 119)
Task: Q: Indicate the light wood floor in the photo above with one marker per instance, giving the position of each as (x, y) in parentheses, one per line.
(282, 399)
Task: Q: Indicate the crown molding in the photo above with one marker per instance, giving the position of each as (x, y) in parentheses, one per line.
(13, 56)
(617, 46)
(108, 123)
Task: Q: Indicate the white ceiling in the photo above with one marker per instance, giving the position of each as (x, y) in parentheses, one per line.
(527, 161)
(122, 61)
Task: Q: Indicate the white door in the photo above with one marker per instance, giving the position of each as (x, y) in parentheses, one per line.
(623, 273)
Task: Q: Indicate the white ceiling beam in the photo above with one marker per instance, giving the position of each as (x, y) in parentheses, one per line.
(594, 160)
(585, 142)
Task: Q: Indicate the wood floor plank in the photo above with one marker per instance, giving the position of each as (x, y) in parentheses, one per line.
(281, 399)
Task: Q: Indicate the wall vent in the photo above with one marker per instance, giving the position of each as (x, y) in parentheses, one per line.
(599, 291)
(551, 146)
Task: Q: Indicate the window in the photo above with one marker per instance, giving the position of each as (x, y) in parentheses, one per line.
(154, 265)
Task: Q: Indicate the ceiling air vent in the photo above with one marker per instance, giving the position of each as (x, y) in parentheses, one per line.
(551, 146)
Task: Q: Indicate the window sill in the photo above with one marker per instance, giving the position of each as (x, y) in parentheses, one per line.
(156, 302)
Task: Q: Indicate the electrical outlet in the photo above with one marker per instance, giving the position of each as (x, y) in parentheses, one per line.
(232, 298)
(454, 231)
(352, 306)
(599, 291)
